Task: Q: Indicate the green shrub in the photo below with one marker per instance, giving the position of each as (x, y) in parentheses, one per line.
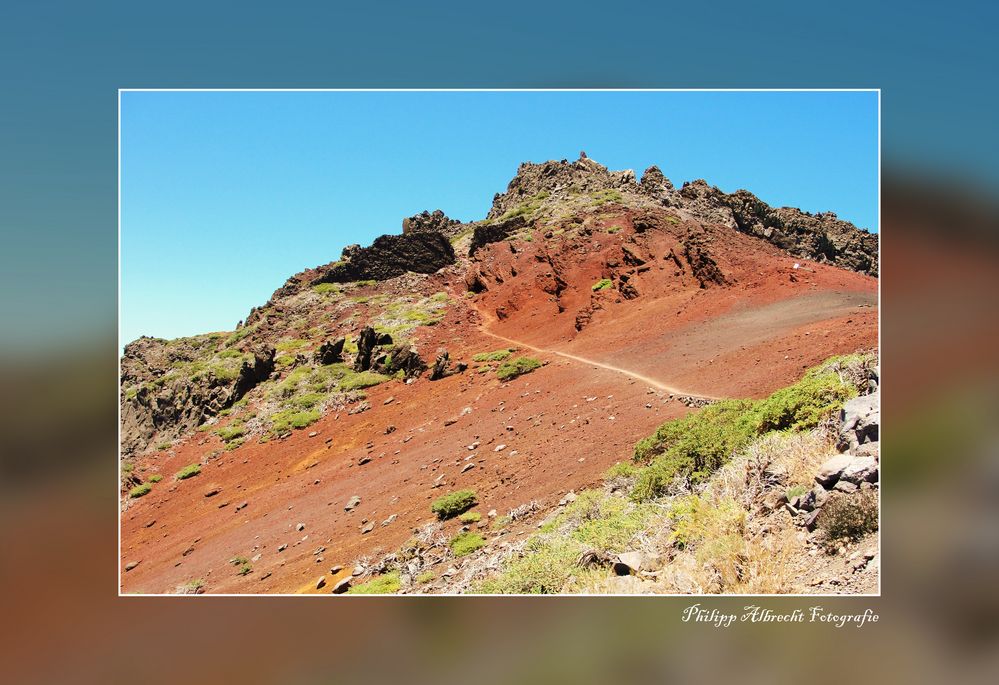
(188, 471)
(509, 370)
(494, 356)
(470, 517)
(127, 467)
(849, 516)
(231, 432)
(164, 445)
(602, 284)
(622, 469)
(140, 490)
(365, 379)
(286, 420)
(544, 569)
(693, 447)
(696, 519)
(425, 577)
(327, 289)
(156, 478)
(387, 584)
(466, 543)
(613, 229)
(796, 491)
(233, 444)
(454, 503)
(603, 196)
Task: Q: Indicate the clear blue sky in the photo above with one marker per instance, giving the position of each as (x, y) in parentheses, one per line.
(224, 195)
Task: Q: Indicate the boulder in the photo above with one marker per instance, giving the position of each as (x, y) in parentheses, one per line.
(341, 587)
(861, 420)
(860, 469)
(627, 563)
(366, 341)
(330, 352)
(390, 256)
(829, 471)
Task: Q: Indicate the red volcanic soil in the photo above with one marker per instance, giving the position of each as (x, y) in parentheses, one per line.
(563, 425)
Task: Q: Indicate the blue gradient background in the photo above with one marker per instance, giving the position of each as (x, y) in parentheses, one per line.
(62, 64)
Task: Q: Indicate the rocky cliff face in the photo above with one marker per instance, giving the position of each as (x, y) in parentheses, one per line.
(432, 222)
(538, 189)
(390, 256)
(171, 387)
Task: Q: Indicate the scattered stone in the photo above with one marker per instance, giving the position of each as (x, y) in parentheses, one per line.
(212, 490)
(242, 505)
(321, 582)
(341, 587)
(335, 569)
(627, 563)
(451, 421)
(352, 503)
(313, 434)
(390, 519)
(389, 400)
(256, 558)
(389, 429)
(861, 420)
(468, 467)
(282, 548)
(845, 486)
(812, 520)
(363, 460)
(499, 448)
(861, 469)
(491, 514)
(830, 471)
(300, 527)
(368, 527)
(150, 523)
(130, 565)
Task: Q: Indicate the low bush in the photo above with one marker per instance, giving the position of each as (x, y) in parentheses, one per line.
(509, 370)
(470, 517)
(387, 584)
(602, 284)
(156, 478)
(849, 516)
(454, 503)
(140, 490)
(692, 448)
(494, 356)
(465, 543)
(188, 471)
(230, 432)
(288, 419)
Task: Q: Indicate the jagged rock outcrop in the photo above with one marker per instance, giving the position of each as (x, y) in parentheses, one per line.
(330, 352)
(169, 390)
(366, 341)
(402, 358)
(443, 368)
(432, 222)
(656, 185)
(562, 177)
(494, 233)
(390, 256)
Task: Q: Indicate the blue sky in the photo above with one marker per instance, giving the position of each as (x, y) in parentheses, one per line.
(225, 194)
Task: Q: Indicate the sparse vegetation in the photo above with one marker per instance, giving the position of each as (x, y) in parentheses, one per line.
(613, 229)
(526, 208)
(601, 197)
(140, 490)
(327, 289)
(494, 356)
(155, 478)
(454, 503)
(692, 448)
(849, 516)
(164, 445)
(465, 543)
(602, 284)
(425, 577)
(231, 432)
(188, 471)
(509, 370)
(289, 419)
(387, 584)
(470, 517)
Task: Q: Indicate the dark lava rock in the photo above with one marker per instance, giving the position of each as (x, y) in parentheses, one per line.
(330, 352)
(390, 256)
(366, 341)
(432, 222)
(494, 233)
